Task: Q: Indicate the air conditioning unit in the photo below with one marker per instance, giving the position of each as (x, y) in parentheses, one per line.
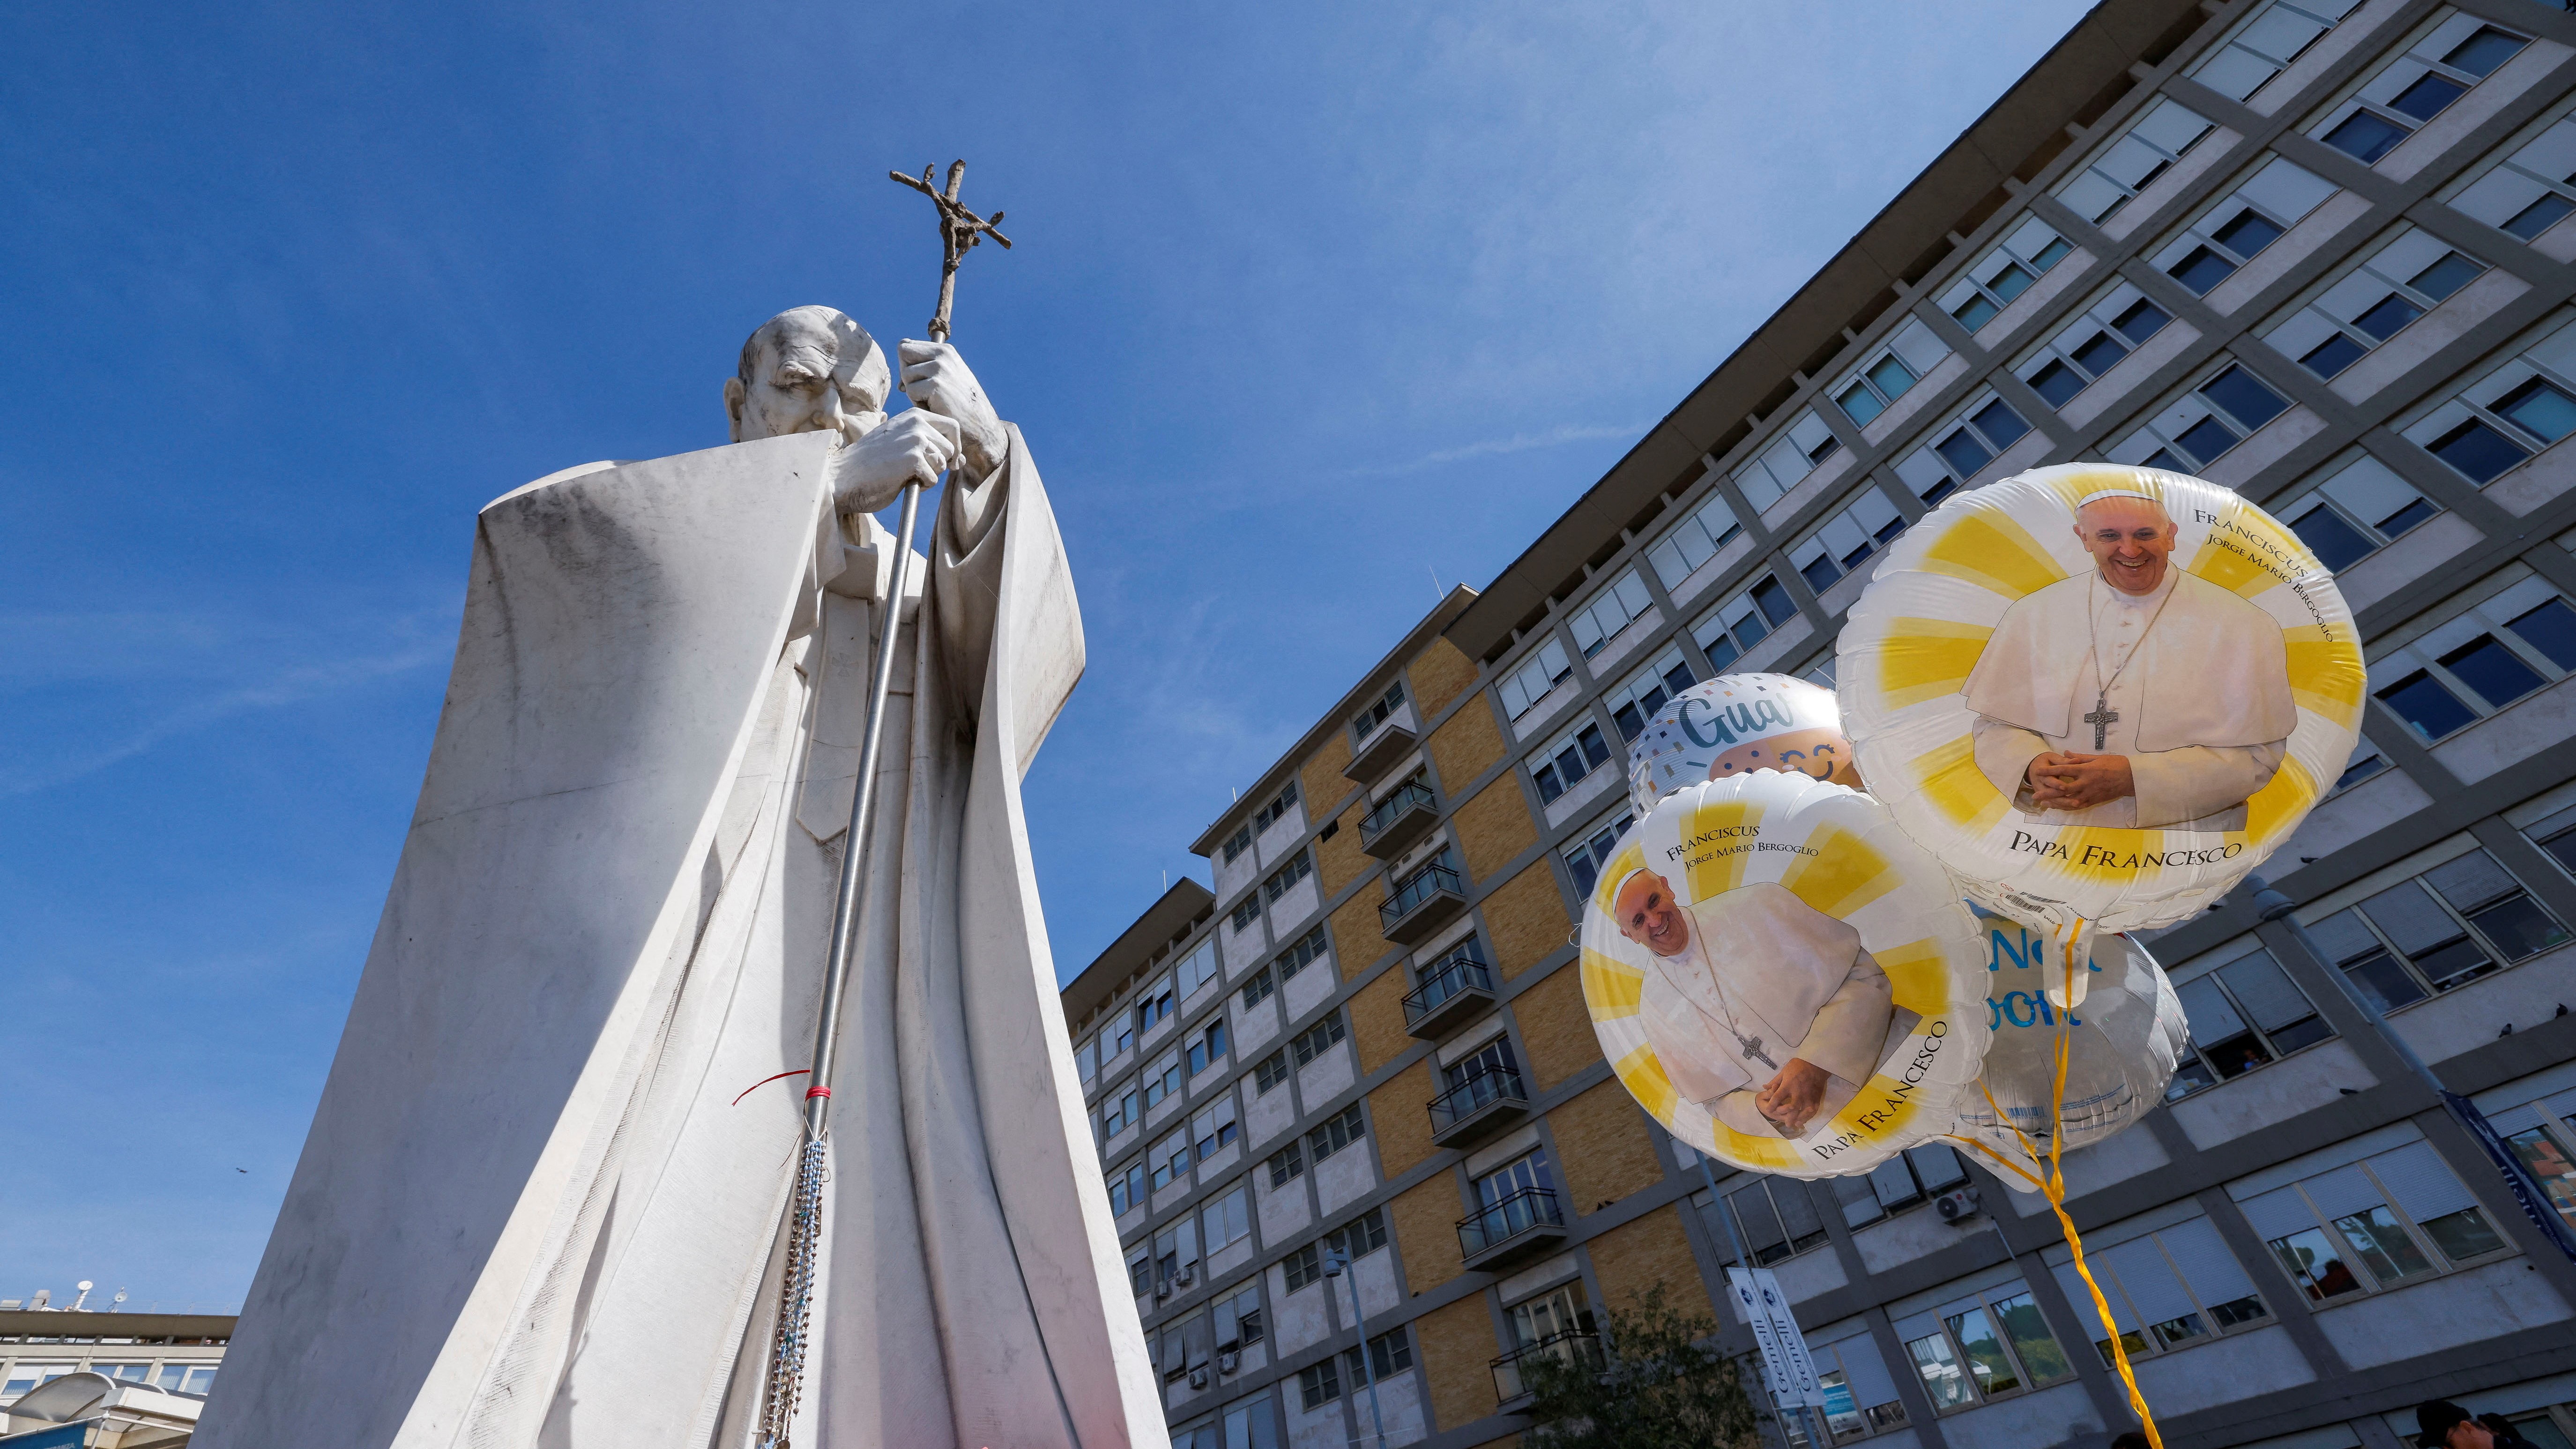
(1198, 1378)
(1957, 1205)
(1162, 1291)
(1229, 1361)
(1186, 1278)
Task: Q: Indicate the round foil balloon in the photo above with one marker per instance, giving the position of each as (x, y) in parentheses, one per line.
(2122, 1043)
(1735, 723)
(1782, 978)
(2100, 694)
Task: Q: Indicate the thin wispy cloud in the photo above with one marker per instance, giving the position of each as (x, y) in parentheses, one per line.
(1556, 437)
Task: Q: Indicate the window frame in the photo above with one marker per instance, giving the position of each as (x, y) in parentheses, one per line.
(2430, 49)
(2208, 232)
(2433, 655)
(2102, 319)
(2198, 1067)
(1991, 1302)
(1975, 297)
(2331, 492)
(2235, 42)
(1752, 603)
(1632, 693)
(1585, 742)
(1535, 664)
(1910, 337)
(1838, 546)
(2163, 432)
(2161, 149)
(2377, 942)
(1669, 554)
(1579, 847)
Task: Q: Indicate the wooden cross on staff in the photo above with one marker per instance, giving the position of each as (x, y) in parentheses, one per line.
(959, 230)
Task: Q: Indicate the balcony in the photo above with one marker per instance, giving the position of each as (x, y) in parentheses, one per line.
(1373, 753)
(1574, 1345)
(1478, 1107)
(1526, 1223)
(1456, 990)
(1396, 822)
(1422, 902)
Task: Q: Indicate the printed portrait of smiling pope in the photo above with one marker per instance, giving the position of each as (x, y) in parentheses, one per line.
(2134, 694)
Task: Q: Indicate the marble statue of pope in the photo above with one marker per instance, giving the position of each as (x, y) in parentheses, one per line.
(538, 1207)
(2136, 696)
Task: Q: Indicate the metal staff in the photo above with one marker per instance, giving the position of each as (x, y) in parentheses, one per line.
(959, 231)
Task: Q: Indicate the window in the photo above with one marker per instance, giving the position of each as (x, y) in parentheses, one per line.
(1842, 543)
(1086, 1059)
(1208, 1047)
(1242, 917)
(2482, 662)
(1270, 1071)
(2528, 192)
(2177, 1287)
(1633, 704)
(1983, 1346)
(1577, 754)
(1298, 867)
(1339, 1131)
(1119, 1115)
(1170, 1158)
(1972, 440)
(1557, 1326)
(1906, 1180)
(2161, 135)
(2252, 217)
(2497, 422)
(1487, 1075)
(1788, 460)
(1286, 1163)
(2068, 363)
(2004, 273)
(1359, 1237)
(1515, 1195)
(1366, 721)
(1154, 1005)
(1588, 854)
(1239, 842)
(2419, 85)
(1227, 1220)
(1257, 989)
(1694, 541)
(2373, 1224)
(1197, 969)
(1737, 625)
(1315, 1040)
(1304, 1266)
(1306, 948)
(1911, 353)
(2355, 512)
(1238, 1320)
(2556, 834)
(1321, 1383)
(2444, 928)
(1162, 1080)
(1127, 1188)
(2210, 419)
(1389, 1354)
(1600, 620)
(1776, 1216)
(2243, 1015)
(2400, 282)
(1126, 1037)
(2265, 42)
(1860, 1395)
(1280, 804)
(2540, 1134)
(1176, 1255)
(1545, 668)
(1213, 1130)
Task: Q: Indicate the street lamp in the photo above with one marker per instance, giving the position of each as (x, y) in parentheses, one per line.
(1335, 1260)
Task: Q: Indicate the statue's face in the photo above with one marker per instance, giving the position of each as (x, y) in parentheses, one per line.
(1648, 915)
(792, 389)
(2129, 539)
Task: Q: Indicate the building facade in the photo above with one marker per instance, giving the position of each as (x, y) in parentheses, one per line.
(2314, 250)
(177, 1353)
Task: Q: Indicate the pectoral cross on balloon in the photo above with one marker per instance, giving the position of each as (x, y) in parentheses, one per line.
(2101, 719)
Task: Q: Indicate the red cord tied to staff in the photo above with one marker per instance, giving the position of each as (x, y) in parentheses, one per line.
(765, 1081)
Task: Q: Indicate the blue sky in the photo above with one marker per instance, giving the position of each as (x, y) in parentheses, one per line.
(1313, 306)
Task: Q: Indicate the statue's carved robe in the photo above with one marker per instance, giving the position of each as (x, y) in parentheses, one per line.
(530, 1212)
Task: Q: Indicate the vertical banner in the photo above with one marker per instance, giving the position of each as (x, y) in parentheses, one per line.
(1775, 1332)
(2517, 1177)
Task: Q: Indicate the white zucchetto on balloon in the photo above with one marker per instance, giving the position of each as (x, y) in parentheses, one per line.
(2100, 694)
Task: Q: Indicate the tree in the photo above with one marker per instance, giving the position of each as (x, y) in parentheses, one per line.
(1654, 1380)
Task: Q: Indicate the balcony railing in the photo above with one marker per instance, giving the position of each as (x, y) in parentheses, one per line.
(1374, 753)
(1456, 988)
(1574, 1345)
(1477, 1106)
(1422, 902)
(1398, 820)
(1521, 1223)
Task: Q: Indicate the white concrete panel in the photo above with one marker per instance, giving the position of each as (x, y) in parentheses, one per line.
(2330, 218)
(1300, 1319)
(1824, 478)
(2380, 801)
(1908, 1236)
(1590, 788)
(2531, 725)
(2116, 1160)
(1399, 1406)
(1230, 1257)
(2056, 1415)
(2424, 548)
(1295, 906)
(2490, 1301)
(2221, 1371)
(1625, 642)
(1344, 1178)
(2466, 1018)
(1322, 1428)
(2536, 482)
(2270, 443)
(1307, 989)
(1845, 592)
(1236, 876)
(1952, 368)
(1267, 1116)
(2471, 111)
(1538, 1278)
(1543, 712)
(1810, 1273)
(1715, 568)
(2034, 445)
(2144, 207)
(2111, 387)
(2076, 265)
(1790, 636)
(2317, 59)
(1287, 830)
(1220, 1162)
(1378, 1290)
(1327, 1076)
(2276, 1093)
(1254, 1026)
(1283, 1213)
(2430, 333)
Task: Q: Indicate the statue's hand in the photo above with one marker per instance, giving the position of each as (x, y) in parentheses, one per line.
(938, 380)
(916, 446)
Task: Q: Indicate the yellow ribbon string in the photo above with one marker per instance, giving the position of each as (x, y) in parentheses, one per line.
(2052, 1184)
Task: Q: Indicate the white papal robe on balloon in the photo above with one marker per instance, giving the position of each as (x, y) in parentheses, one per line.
(530, 1211)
